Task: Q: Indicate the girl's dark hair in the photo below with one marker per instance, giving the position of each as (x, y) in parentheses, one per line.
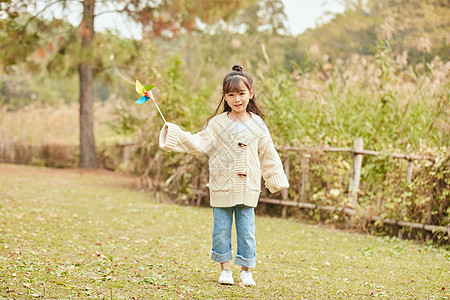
(231, 83)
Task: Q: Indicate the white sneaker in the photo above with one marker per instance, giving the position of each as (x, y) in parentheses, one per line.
(226, 277)
(246, 278)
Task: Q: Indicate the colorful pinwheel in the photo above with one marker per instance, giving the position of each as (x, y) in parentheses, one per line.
(146, 93)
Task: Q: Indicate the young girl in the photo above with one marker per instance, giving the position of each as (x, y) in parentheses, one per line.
(240, 150)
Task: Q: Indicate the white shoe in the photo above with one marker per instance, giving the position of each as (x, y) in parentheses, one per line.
(246, 278)
(226, 277)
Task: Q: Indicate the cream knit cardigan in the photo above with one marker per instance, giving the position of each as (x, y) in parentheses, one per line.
(235, 161)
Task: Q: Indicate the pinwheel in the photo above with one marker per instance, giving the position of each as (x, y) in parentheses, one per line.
(146, 93)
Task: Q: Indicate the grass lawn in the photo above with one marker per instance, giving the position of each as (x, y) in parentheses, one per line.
(92, 234)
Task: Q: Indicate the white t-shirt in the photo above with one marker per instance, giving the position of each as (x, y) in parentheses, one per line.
(241, 127)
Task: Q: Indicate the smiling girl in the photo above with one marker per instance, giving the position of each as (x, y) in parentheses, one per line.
(240, 150)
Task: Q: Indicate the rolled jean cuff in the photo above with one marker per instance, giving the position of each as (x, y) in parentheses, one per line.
(245, 262)
(221, 258)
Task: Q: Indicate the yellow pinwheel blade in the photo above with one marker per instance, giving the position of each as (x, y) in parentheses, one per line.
(139, 88)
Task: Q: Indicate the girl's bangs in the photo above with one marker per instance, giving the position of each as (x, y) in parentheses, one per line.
(234, 84)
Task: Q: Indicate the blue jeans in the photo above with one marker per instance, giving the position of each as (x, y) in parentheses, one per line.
(245, 230)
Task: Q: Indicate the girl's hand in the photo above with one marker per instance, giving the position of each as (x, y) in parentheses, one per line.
(167, 126)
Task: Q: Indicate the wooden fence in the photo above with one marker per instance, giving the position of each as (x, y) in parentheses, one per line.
(357, 151)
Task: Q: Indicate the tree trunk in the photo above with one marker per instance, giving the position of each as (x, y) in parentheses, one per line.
(88, 155)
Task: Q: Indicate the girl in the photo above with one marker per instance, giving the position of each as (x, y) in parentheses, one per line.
(240, 150)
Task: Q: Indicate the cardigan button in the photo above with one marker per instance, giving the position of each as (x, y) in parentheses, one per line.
(242, 174)
(242, 144)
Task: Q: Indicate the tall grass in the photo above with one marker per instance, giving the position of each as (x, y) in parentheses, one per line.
(40, 124)
(383, 100)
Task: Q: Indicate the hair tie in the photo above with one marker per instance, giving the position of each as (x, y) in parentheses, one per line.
(237, 68)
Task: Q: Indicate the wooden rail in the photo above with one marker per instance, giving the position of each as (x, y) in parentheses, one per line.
(357, 152)
(362, 151)
(351, 212)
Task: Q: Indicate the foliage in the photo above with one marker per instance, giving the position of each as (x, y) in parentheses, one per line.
(377, 99)
(418, 27)
(380, 100)
(171, 17)
(263, 16)
(119, 60)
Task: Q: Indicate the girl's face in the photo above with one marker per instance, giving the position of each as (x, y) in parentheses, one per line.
(238, 99)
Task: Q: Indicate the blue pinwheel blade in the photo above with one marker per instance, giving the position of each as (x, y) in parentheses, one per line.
(141, 100)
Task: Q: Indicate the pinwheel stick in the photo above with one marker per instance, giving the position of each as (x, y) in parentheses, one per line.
(162, 116)
(150, 95)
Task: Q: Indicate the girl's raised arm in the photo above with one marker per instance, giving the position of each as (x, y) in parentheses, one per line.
(172, 138)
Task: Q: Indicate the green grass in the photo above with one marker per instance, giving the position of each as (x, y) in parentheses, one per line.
(78, 234)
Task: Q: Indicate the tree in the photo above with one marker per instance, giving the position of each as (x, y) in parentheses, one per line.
(416, 27)
(264, 16)
(163, 18)
(88, 155)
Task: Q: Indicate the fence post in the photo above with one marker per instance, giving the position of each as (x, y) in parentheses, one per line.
(356, 172)
(429, 217)
(409, 173)
(125, 154)
(285, 193)
(305, 173)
